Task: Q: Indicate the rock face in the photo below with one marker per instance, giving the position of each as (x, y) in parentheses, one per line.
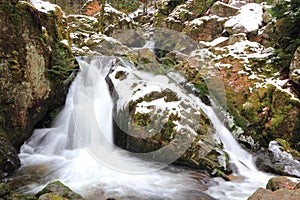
(278, 188)
(35, 60)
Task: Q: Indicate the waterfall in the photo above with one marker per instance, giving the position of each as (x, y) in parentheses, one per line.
(78, 150)
(248, 177)
(73, 150)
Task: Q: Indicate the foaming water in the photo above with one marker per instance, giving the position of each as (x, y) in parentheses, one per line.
(246, 178)
(77, 149)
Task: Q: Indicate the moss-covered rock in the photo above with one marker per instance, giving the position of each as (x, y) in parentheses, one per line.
(35, 62)
(58, 191)
(164, 123)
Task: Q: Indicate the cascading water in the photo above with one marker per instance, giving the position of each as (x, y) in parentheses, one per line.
(66, 151)
(63, 151)
(248, 177)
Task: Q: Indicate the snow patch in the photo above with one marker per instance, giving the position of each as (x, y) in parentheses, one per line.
(44, 6)
(248, 20)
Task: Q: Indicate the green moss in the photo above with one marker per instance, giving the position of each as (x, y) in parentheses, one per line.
(4, 189)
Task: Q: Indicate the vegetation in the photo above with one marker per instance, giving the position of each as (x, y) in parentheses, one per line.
(287, 14)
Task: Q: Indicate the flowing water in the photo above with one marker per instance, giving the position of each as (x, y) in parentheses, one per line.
(66, 152)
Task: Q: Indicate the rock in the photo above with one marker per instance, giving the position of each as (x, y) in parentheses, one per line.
(248, 20)
(36, 60)
(163, 123)
(205, 28)
(262, 194)
(85, 40)
(58, 190)
(183, 13)
(223, 10)
(50, 196)
(279, 161)
(176, 20)
(8, 156)
(295, 67)
(115, 21)
(282, 182)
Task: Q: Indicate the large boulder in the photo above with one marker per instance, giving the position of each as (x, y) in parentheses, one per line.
(205, 28)
(158, 120)
(35, 61)
(280, 159)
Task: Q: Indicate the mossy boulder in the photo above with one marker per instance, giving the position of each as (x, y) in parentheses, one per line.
(58, 191)
(35, 61)
(160, 121)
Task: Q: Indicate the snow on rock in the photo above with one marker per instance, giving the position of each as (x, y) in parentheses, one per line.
(206, 28)
(283, 158)
(249, 19)
(44, 6)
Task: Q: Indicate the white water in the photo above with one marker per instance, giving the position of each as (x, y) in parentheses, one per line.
(247, 178)
(66, 152)
(78, 151)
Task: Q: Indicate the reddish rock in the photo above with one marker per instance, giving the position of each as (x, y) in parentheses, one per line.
(282, 182)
